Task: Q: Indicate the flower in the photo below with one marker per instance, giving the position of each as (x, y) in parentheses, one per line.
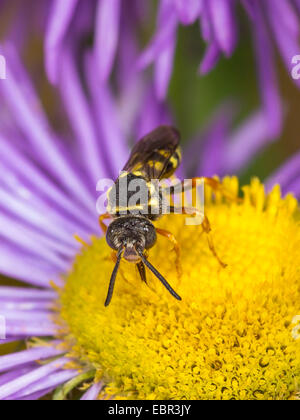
(48, 195)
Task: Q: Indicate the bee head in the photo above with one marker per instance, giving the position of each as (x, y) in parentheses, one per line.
(132, 234)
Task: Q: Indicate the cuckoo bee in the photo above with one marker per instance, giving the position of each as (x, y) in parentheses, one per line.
(132, 232)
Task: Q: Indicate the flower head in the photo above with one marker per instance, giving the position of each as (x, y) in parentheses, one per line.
(230, 337)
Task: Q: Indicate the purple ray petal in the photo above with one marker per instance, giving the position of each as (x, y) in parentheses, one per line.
(25, 306)
(27, 316)
(80, 115)
(108, 120)
(20, 202)
(42, 387)
(210, 59)
(167, 22)
(18, 234)
(45, 186)
(297, 3)
(287, 16)
(285, 175)
(267, 74)
(16, 373)
(10, 340)
(215, 141)
(224, 24)
(206, 24)
(35, 396)
(25, 329)
(35, 375)
(106, 36)
(24, 211)
(287, 41)
(60, 17)
(164, 68)
(249, 7)
(93, 392)
(152, 114)
(245, 142)
(39, 135)
(20, 265)
(294, 188)
(23, 294)
(188, 10)
(24, 357)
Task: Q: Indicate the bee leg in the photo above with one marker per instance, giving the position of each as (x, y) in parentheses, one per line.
(207, 229)
(176, 248)
(214, 184)
(142, 271)
(101, 220)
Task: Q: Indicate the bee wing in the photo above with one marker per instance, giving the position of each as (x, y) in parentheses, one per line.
(152, 154)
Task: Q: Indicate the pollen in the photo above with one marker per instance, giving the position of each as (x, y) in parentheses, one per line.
(233, 335)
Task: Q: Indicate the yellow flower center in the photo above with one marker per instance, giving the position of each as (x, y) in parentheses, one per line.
(231, 336)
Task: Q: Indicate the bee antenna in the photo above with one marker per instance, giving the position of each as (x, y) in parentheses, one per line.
(113, 278)
(159, 276)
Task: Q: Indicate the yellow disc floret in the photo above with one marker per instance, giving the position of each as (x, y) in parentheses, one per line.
(231, 336)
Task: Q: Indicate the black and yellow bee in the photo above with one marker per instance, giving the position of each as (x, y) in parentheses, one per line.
(132, 232)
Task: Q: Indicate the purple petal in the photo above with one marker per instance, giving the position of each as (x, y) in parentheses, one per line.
(188, 10)
(39, 135)
(35, 375)
(92, 393)
(245, 142)
(16, 373)
(25, 306)
(60, 18)
(23, 294)
(267, 74)
(107, 36)
(46, 188)
(32, 355)
(286, 40)
(286, 175)
(152, 114)
(215, 141)
(224, 24)
(210, 59)
(28, 316)
(294, 188)
(42, 387)
(35, 396)
(18, 234)
(80, 116)
(206, 24)
(10, 340)
(107, 117)
(249, 7)
(164, 68)
(287, 16)
(166, 26)
(34, 212)
(26, 329)
(20, 265)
